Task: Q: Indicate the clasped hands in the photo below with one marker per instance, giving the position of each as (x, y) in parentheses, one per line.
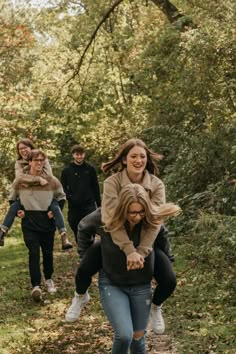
(21, 214)
(135, 261)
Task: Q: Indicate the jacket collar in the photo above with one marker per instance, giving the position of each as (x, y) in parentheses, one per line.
(146, 182)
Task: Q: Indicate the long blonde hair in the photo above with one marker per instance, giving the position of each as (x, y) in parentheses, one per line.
(135, 193)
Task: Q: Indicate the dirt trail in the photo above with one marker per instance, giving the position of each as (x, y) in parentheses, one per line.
(160, 344)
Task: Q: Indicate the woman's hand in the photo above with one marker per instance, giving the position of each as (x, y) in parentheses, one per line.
(135, 261)
(42, 181)
(21, 214)
(50, 214)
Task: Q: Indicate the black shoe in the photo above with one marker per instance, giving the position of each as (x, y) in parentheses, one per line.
(2, 235)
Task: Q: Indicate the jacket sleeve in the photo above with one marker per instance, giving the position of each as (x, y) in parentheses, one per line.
(24, 177)
(158, 193)
(148, 237)
(59, 193)
(64, 184)
(149, 234)
(95, 186)
(47, 170)
(87, 229)
(109, 201)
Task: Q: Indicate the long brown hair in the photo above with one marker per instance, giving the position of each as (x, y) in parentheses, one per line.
(135, 193)
(123, 152)
(26, 142)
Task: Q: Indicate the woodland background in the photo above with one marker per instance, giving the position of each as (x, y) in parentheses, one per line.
(99, 72)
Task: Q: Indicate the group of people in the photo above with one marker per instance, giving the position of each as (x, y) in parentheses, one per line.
(133, 246)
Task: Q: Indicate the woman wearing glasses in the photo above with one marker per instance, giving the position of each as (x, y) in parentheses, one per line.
(137, 165)
(126, 291)
(24, 148)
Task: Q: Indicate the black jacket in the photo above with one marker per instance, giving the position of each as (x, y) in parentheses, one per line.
(81, 186)
(92, 224)
(113, 259)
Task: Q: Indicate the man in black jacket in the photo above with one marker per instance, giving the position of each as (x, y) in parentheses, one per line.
(80, 183)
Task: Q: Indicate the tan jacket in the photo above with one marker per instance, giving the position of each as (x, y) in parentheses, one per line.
(21, 172)
(111, 190)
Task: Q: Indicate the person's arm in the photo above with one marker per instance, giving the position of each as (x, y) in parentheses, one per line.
(158, 193)
(47, 169)
(87, 229)
(147, 239)
(148, 235)
(65, 184)
(111, 191)
(23, 176)
(59, 193)
(95, 186)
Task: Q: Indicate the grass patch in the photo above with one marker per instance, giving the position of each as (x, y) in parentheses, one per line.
(28, 327)
(199, 316)
(201, 313)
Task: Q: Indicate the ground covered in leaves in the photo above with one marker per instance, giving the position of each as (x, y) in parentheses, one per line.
(200, 316)
(28, 327)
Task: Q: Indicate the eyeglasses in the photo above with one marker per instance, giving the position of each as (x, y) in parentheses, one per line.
(133, 214)
(38, 160)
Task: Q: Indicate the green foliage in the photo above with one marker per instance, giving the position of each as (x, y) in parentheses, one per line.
(172, 85)
(204, 301)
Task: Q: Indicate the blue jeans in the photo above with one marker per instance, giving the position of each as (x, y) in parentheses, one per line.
(58, 216)
(11, 214)
(54, 207)
(127, 309)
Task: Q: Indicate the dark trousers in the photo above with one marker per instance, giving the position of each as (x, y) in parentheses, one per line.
(164, 275)
(91, 263)
(77, 214)
(35, 241)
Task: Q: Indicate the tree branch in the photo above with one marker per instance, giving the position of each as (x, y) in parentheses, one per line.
(93, 36)
(171, 12)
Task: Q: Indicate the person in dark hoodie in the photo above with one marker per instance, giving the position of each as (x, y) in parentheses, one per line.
(80, 183)
(125, 290)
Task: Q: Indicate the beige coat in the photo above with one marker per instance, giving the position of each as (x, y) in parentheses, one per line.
(111, 190)
(21, 172)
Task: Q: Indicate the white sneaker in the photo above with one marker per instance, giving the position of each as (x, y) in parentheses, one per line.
(36, 293)
(78, 302)
(157, 321)
(50, 286)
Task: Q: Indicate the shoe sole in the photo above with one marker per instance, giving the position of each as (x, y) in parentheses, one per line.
(66, 247)
(158, 332)
(71, 320)
(52, 292)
